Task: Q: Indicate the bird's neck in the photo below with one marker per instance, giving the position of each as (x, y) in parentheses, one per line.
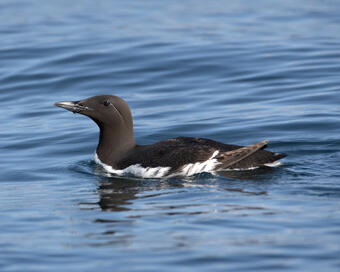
(114, 144)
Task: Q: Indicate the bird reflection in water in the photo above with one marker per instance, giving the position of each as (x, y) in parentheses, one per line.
(115, 194)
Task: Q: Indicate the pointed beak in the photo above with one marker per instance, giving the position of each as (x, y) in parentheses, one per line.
(75, 106)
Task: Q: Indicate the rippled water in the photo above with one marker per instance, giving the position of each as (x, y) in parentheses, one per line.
(233, 71)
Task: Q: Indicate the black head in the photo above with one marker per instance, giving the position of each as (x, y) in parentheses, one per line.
(105, 110)
(113, 116)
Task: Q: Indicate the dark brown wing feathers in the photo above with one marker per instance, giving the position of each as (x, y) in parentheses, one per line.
(230, 158)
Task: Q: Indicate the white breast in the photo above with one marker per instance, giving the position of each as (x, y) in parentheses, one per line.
(136, 170)
(159, 172)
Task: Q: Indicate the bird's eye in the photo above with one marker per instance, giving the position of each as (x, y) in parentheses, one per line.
(106, 103)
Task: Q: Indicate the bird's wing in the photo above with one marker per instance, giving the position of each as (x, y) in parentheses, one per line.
(230, 158)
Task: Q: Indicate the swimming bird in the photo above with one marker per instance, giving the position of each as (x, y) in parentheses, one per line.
(118, 152)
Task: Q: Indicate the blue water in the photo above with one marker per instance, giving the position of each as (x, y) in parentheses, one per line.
(233, 71)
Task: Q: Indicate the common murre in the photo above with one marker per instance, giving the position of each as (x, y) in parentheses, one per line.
(118, 152)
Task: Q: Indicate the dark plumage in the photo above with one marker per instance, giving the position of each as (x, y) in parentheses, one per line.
(182, 155)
